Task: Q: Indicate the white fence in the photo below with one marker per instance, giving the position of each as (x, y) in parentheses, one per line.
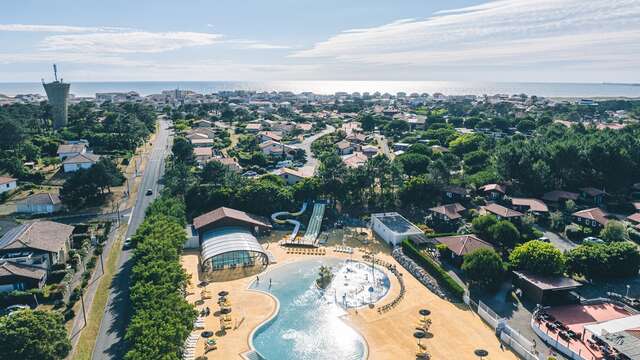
(518, 348)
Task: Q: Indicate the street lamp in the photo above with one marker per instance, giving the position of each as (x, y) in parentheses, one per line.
(628, 287)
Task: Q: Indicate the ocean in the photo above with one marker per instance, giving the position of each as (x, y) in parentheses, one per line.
(558, 90)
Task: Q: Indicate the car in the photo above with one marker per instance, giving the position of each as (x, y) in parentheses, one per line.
(592, 240)
(149, 192)
(13, 308)
(544, 239)
(127, 243)
(250, 174)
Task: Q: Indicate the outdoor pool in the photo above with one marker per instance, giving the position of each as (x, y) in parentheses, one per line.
(308, 325)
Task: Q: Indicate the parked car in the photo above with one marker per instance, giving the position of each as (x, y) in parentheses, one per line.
(149, 192)
(544, 239)
(592, 240)
(250, 174)
(127, 243)
(14, 308)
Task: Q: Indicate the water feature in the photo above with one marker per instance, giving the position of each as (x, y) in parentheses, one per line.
(308, 325)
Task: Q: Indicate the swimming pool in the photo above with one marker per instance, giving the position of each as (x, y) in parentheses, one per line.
(308, 324)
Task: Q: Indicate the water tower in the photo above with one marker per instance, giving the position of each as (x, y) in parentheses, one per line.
(58, 95)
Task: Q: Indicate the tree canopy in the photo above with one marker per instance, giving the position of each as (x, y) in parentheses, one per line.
(33, 335)
(537, 257)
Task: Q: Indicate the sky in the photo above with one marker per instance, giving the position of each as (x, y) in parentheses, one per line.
(262, 40)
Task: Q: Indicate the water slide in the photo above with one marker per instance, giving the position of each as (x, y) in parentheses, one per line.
(313, 230)
(275, 217)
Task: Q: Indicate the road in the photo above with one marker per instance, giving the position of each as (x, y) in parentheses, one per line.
(383, 145)
(110, 341)
(559, 242)
(312, 163)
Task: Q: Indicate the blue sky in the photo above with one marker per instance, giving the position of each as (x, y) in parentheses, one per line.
(503, 40)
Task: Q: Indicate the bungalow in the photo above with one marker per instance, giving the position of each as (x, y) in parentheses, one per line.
(202, 123)
(345, 147)
(292, 176)
(7, 184)
(559, 197)
(43, 203)
(454, 193)
(501, 212)
(494, 191)
(16, 276)
(357, 138)
(202, 142)
(594, 218)
(209, 133)
(439, 149)
(449, 214)
(80, 161)
(535, 206)
(253, 128)
(635, 220)
(271, 147)
(592, 196)
(269, 135)
(202, 154)
(230, 163)
(40, 243)
(306, 127)
(461, 245)
(70, 150)
(401, 146)
(370, 150)
(196, 135)
(354, 160)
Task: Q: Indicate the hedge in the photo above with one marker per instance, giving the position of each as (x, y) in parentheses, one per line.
(433, 268)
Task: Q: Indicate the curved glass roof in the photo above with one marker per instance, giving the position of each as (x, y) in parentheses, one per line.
(222, 240)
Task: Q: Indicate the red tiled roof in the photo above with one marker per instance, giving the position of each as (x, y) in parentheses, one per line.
(501, 211)
(596, 214)
(634, 217)
(6, 180)
(452, 211)
(464, 244)
(533, 204)
(557, 195)
(224, 212)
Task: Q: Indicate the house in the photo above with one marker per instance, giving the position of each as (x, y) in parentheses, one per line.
(253, 128)
(269, 135)
(80, 161)
(535, 206)
(449, 215)
(634, 219)
(356, 138)
(439, 149)
(230, 163)
(209, 133)
(16, 276)
(202, 154)
(370, 151)
(494, 191)
(40, 243)
(292, 176)
(227, 217)
(592, 196)
(354, 160)
(501, 212)
(454, 193)
(458, 246)
(401, 146)
(305, 127)
(202, 123)
(560, 197)
(271, 147)
(7, 184)
(43, 203)
(70, 150)
(345, 147)
(196, 135)
(202, 142)
(594, 218)
(393, 228)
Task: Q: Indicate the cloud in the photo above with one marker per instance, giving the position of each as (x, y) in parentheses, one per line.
(57, 28)
(128, 42)
(505, 32)
(74, 58)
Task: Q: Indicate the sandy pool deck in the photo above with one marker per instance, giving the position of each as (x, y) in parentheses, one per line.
(456, 331)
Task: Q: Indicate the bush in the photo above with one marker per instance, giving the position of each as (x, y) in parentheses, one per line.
(433, 268)
(573, 232)
(484, 269)
(537, 257)
(612, 260)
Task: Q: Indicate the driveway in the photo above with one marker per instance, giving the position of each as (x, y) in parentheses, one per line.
(110, 341)
(557, 240)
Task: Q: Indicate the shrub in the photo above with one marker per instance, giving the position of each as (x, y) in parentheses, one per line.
(434, 269)
(537, 257)
(484, 269)
(573, 232)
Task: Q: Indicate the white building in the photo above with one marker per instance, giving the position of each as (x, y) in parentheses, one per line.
(81, 161)
(393, 227)
(70, 150)
(7, 184)
(43, 203)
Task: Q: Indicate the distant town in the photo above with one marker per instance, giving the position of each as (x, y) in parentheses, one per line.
(171, 225)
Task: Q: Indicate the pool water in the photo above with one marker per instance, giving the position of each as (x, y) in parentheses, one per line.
(308, 325)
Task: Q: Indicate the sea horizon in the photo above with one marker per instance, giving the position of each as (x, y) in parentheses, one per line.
(329, 87)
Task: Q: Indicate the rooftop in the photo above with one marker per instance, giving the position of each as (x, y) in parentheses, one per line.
(10, 268)
(557, 195)
(42, 235)
(452, 211)
(501, 211)
(42, 199)
(397, 223)
(463, 244)
(6, 180)
(82, 158)
(596, 214)
(548, 282)
(225, 212)
(533, 204)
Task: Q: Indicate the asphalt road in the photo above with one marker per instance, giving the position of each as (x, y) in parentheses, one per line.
(110, 342)
(312, 162)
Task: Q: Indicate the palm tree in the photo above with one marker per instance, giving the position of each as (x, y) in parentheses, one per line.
(325, 275)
